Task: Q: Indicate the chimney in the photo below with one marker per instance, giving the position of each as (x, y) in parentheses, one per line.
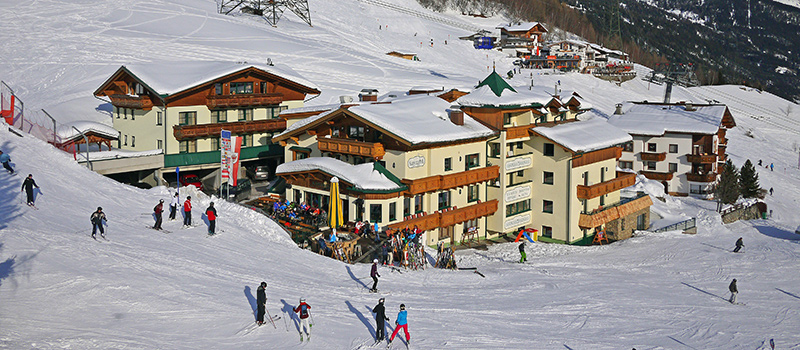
(690, 107)
(345, 99)
(619, 109)
(456, 115)
(368, 95)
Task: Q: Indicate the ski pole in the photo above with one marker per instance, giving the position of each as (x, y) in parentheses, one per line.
(270, 317)
(312, 320)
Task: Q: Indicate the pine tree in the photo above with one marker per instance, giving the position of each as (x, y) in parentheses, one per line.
(748, 180)
(727, 190)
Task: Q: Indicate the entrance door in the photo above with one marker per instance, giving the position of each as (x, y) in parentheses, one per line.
(359, 209)
(345, 210)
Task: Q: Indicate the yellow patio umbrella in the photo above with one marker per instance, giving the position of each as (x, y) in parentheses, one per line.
(335, 205)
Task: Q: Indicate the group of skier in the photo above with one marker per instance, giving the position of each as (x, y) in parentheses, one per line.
(211, 213)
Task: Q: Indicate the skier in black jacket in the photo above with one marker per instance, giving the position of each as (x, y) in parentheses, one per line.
(522, 256)
(261, 300)
(374, 274)
(739, 245)
(97, 222)
(380, 317)
(734, 291)
(28, 186)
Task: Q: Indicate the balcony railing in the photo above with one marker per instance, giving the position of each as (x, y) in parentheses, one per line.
(653, 157)
(449, 217)
(446, 182)
(625, 207)
(183, 132)
(517, 132)
(135, 102)
(243, 100)
(709, 177)
(622, 180)
(701, 158)
(652, 175)
(354, 147)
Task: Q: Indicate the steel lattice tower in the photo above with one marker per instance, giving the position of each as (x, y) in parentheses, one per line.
(271, 10)
(614, 19)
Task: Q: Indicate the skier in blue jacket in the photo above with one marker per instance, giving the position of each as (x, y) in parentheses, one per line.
(5, 159)
(402, 322)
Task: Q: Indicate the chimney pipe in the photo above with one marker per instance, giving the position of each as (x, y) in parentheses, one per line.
(619, 109)
(456, 115)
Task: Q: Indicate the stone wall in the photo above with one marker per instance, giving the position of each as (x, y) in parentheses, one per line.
(747, 213)
(624, 227)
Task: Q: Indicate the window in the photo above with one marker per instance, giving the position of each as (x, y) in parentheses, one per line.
(406, 207)
(549, 149)
(473, 160)
(117, 109)
(418, 208)
(392, 211)
(547, 206)
(518, 207)
(673, 167)
(218, 88)
(219, 116)
(625, 165)
(124, 113)
(445, 232)
(159, 118)
(627, 146)
(274, 112)
(519, 144)
(241, 88)
(188, 146)
(356, 132)
(494, 150)
(444, 200)
(448, 164)
(187, 118)
(133, 141)
(246, 114)
(547, 231)
(548, 178)
(673, 148)
(133, 115)
(651, 147)
(247, 140)
(159, 144)
(506, 118)
(375, 212)
(126, 140)
(641, 223)
(472, 193)
(516, 177)
(216, 144)
(650, 165)
(603, 199)
(298, 155)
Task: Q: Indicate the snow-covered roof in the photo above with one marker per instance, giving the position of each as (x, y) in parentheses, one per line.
(66, 132)
(526, 26)
(484, 96)
(167, 78)
(303, 122)
(364, 176)
(579, 43)
(657, 119)
(118, 153)
(306, 109)
(584, 136)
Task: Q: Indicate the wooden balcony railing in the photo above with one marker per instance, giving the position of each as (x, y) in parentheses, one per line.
(701, 158)
(354, 147)
(605, 215)
(653, 157)
(183, 132)
(709, 177)
(448, 218)
(136, 102)
(243, 100)
(622, 180)
(652, 175)
(517, 132)
(446, 182)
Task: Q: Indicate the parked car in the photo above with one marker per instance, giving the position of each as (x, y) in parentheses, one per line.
(239, 192)
(261, 173)
(191, 179)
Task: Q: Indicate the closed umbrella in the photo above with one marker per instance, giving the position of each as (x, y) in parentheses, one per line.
(335, 206)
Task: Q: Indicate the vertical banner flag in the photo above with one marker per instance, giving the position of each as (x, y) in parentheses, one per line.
(236, 147)
(224, 151)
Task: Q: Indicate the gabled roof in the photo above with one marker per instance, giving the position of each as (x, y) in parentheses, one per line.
(366, 177)
(495, 82)
(485, 97)
(519, 27)
(656, 119)
(584, 136)
(66, 132)
(169, 78)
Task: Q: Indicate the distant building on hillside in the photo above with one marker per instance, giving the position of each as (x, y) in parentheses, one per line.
(522, 39)
(680, 144)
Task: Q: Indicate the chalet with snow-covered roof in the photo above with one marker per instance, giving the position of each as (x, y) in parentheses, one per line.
(411, 161)
(69, 135)
(181, 107)
(574, 49)
(682, 145)
(522, 39)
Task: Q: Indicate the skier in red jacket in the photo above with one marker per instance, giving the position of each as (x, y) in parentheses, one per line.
(303, 310)
(211, 213)
(187, 212)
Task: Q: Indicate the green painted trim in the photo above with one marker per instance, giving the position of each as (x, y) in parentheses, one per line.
(210, 157)
(550, 240)
(496, 83)
(300, 149)
(585, 241)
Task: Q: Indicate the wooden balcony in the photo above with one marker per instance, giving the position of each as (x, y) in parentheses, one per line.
(354, 147)
(653, 157)
(425, 222)
(183, 132)
(517, 132)
(243, 100)
(701, 158)
(457, 216)
(622, 209)
(446, 182)
(135, 102)
(709, 177)
(652, 175)
(622, 180)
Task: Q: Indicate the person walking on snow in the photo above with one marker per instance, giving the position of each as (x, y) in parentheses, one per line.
(28, 186)
(770, 191)
(734, 291)
(97, 222)
(374, 274)
(261, 300)
(5, 159)
(157, 211)
(401, 322)
(187, 212)
(173, 206)
(739, 245)
(771, 166)
(380, 317)
(302, 309)
(212, 218)
(522, 257)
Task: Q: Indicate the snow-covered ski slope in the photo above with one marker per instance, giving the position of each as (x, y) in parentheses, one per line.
(145, 289)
